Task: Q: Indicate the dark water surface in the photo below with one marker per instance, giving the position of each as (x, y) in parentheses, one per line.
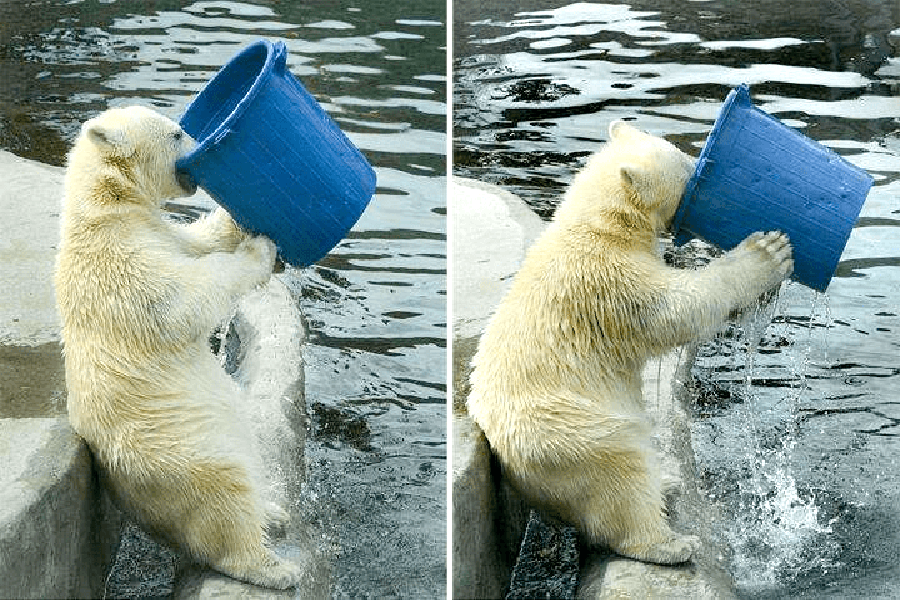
(375, 306)
(796, 437)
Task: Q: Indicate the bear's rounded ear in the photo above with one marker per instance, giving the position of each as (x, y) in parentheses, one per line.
(632, 175)
(107, 138)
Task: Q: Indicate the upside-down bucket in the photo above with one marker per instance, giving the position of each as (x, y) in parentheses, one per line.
(757, 174)
(273, 158)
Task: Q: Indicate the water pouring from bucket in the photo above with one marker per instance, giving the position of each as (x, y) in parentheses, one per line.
(273, 158)
(757, 174)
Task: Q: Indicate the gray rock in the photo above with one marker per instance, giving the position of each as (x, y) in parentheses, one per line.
(57, 531)
(143, 568)
(479, 568)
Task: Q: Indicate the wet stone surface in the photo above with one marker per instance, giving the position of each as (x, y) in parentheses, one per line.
(547, 566)
(143, 568)
(32, 381)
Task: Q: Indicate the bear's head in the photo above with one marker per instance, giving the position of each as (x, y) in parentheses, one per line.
(652, 169)
(634, 184)
(142, 146)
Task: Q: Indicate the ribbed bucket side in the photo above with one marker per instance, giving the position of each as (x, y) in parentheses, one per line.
(756, 174)
(277, 162)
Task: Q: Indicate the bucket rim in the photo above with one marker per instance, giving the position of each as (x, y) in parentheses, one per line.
(737, 98)
(274, 51)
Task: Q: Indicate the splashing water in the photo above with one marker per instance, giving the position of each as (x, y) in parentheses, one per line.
(774, 525)
(775, 529)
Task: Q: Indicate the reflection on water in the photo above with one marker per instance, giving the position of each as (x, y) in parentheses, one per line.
(795, 436)
(375, 305)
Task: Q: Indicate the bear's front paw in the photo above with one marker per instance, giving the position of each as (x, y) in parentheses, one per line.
(225, 227)
(772, 254)
(262, 249)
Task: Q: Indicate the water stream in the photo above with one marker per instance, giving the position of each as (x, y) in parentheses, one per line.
(375, 361)
(797, 408)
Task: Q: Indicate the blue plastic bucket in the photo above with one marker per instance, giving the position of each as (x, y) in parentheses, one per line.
(270, 155)
(756, 174)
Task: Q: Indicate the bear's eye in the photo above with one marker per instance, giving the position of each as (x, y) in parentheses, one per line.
(177, 136)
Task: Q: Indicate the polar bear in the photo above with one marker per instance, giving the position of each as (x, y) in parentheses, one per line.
(138, 298)
(556, 381)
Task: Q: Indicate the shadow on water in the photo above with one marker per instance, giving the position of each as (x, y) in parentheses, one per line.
(375, 365)
(796, 419)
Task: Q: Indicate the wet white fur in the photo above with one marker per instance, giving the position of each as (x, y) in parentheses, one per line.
(556, 385)
(139, 297)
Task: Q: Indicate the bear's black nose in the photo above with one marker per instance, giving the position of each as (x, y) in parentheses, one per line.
(185, 181)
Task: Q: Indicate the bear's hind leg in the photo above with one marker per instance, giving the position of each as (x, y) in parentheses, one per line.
(226, 530)
(631, 519)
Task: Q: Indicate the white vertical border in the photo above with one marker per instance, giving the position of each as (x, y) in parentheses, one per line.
(448, 512)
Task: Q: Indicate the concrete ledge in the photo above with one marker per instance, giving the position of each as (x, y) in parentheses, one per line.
(195, 583)
(616, 578)
(30, 201)
(480, 566)
(57, 532)
(483, 212)
(201, 584)
(491, 231)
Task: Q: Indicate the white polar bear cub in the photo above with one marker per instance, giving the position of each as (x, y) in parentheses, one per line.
(556, 384)
(139, 297)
